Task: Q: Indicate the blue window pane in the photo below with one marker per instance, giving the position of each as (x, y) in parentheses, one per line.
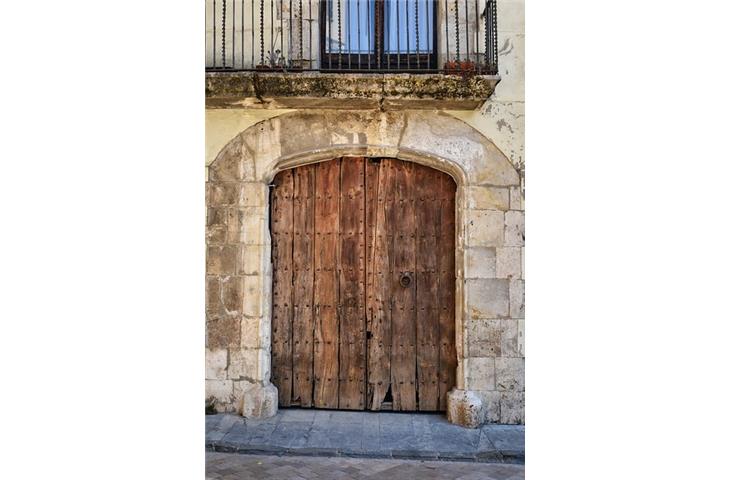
(351, 26)
(400, 21)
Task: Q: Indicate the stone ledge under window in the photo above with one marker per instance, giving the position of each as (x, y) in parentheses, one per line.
(388, 91)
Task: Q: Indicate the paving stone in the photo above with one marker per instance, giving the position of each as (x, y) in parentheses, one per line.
(508, 439)
(223, 465)
(364, 434)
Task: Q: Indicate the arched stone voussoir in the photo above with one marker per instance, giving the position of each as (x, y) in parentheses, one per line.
(432, 138)
(441, 135)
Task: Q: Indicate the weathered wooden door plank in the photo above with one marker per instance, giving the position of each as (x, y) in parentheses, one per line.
(428, 208)
(281, 322)
(352, 284)
(303, 289)
(402, 223)
(326, 338)
(379, 187)
(447, 284)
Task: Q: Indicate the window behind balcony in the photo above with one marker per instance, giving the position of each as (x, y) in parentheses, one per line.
(370, 34)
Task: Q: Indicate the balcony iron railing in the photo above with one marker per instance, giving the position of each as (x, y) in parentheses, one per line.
(399, 36)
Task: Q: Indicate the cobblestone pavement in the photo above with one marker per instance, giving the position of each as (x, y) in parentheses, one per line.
(230, 466)
(364, 434)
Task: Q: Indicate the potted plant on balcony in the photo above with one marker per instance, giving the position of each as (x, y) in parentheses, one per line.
(465, 68)
(277, 62)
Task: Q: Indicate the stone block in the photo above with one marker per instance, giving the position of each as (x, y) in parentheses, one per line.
(487, 298)
(510, 338)
(253, 295)
(216, 234)
(227, 167)
(510, 374)
(479, 373)
(219, 393)
(251, 333)
(222, 193)
(239, 386)
(243, 364)
(515, 198)
(487, 198)
(491, 401)
(221, 260)
(223, 331)
(232, 294)
(465, 408)
(484, 337)
(258, 401)
(521, 337)
(514, 228)
(517, 298)
(509, 262)
(485, 228)
(216, 362)
(253, 194)
(249, 225)
(216, 216)
(213, 304)
(253, 259)
(481, 262)
(512, 408)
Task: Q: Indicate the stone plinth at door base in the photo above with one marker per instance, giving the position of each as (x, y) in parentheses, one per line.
(465, 408)
(260, 401)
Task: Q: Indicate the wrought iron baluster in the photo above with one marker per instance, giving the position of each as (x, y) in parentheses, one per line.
(223, 35)
(233, 37)
(448, 50)
(215, 44)
(359, 46)
(408, 38)
(301, 35)
(476, 22)
(494, 36)
(261, 30)
(253, 38)
(456, 29)
(339, 34)
(429, 45)
(397, 33)
(466, 12)
(369, 32)
(349, 37)
(418, 56)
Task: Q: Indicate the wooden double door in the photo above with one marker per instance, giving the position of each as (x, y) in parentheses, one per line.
(363, 285)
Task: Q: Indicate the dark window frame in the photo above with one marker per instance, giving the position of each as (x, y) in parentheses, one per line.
(378, 60)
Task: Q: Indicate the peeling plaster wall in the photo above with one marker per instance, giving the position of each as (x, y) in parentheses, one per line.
(502, 118)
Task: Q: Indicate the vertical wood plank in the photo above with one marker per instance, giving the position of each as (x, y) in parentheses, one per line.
(281, 322)
(379, 187)
(402, 223)
(326, 337)
(447, 283)
(427, 210)
(303, 280)
(352, 285)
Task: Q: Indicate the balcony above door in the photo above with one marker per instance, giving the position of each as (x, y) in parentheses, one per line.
(350, 53)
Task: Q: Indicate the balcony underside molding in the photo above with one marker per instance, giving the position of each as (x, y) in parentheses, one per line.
(388, 91)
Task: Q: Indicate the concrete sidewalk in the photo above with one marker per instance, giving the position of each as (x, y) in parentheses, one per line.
(364, 434)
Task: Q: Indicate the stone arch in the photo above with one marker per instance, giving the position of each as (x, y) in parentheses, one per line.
(239, 243)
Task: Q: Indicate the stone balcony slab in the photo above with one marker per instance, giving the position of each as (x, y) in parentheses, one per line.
(352, 91)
